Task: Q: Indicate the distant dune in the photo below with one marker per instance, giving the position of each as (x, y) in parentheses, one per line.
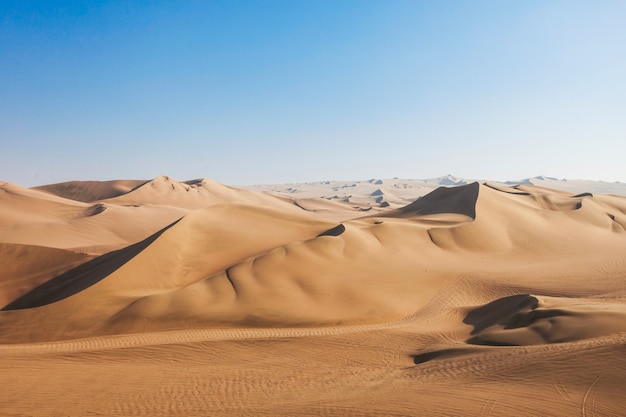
(399, 192)
(88, 191)
(380, 297)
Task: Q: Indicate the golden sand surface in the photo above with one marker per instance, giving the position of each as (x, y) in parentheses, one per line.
(168, 298)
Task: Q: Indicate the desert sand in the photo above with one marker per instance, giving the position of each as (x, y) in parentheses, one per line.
(360, 298)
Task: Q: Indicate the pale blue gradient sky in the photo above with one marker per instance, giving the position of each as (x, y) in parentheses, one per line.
(249, 92)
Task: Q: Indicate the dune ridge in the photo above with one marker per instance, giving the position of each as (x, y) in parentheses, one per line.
(81, 277)
(89, 191)
(24, 267)
(443, 200)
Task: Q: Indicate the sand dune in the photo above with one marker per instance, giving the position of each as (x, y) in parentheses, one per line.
(194, 194)
(398, 192)
(25, 267)
(475, 299)
(23, 205)
(89, 191)
(83, 276)
(38, 218)
(528, 320)
(459, 200)
(201, 244)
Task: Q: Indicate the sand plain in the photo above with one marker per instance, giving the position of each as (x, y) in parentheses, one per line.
(160, 297)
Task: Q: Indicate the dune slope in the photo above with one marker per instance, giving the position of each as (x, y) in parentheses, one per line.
(89, 191)
(25, 267)
(81, 277)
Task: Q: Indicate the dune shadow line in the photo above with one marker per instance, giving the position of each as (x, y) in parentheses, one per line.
(335, 231)
(439, 354)
(82, 277)
(499, 312)
(457, 200)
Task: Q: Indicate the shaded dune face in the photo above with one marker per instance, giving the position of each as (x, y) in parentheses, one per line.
(525, 319)
(335, 231)
(24, 267)
(458, 200)
(81, 277)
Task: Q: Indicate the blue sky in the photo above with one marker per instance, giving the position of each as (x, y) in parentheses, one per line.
(249, 92)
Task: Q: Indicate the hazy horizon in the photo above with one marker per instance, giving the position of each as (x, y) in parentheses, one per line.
(359, 180)
(291, 91)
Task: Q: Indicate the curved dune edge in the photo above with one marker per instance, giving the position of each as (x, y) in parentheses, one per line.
(89, 191)
(81, 277)
(37, 218)
(443, 200)
(24, 267)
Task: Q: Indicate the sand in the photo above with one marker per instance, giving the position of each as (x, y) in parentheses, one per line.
(194, 298)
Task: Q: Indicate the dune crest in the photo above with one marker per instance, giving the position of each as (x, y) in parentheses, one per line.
(457, 200)
(24, 267)
(81, 277)
(90, 191)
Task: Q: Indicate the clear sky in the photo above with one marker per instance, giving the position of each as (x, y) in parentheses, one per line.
(249, 92)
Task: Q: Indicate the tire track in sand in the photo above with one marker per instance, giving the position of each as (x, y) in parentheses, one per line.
(122, 341)
(583, 407)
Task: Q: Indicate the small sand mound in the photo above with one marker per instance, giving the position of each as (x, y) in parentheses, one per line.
(524, 319)
(96, 209)
(499, 312)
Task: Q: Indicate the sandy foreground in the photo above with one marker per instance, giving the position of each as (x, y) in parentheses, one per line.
(168, 298)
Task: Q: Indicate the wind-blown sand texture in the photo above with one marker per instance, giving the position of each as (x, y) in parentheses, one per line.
(193, 298)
